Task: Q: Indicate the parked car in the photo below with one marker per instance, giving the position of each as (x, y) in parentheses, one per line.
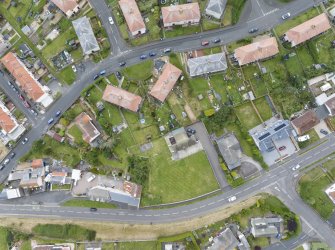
(21, 97)
(217, 40)
(9, 83)
(2, 166)
(204, 43)
(253, 30)
(93, 209)
(95, 77)
(51, 120)
(58, 113)
(296, 167)
(231, 199)
(25, 140)
(285, 16)
(110, 19)
(102, 72)
(26, 104)
(282, 148)
(191, 130)
(6, 161)
(118, 75)
(142, 57)
(12, 155)
(74, 68)
(34, 112)
(322, 131)
(167, 50)
(122, 64)
(152, 54)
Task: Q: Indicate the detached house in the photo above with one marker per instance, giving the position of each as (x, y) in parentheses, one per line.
(307, 30)
(305, 122)
(68, 7)
(184, 14)
(215, 8)
(133, 17)
(87, 128)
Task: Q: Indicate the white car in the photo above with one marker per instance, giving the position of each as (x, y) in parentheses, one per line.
(6, 161)
(285, 16)
(296, 167)
(231, 199)
(74, 68)
(110, 19)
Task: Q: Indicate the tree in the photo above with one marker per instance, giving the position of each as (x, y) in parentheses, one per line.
(138, 167)
(292, 225)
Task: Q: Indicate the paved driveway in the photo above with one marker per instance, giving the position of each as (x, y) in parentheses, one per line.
(211, 153)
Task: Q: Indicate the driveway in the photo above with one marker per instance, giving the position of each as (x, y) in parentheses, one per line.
(321, 125)
(211, 153)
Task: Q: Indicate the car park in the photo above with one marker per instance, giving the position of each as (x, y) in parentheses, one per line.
(51, 120)
(118, 75)
(74, 68)
(285, 16)
(232, 198)
(296, 167)
(102, 72)
(12, 155)
(322, 131)
(95, 77)
(142, 57)
(204, 43)
(217, 40)
(58, 113)
(281, 148)
(167, 50)
(122, 64)
(110, 19)
(25, 140)
(152, 54)
(93, 209)
(253, 30)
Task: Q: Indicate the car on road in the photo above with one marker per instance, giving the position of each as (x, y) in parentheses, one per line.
(93, 209)
(74, 68)
(9, 83)
(142, 57)
(217, 40)
(34, 112)
(58, 113)
(167, 50)
(102, 72)
(282, 148)
(253, 30)
(51, 120)
(25, 140)
(296, 167)
(95, 77)
(118, 75)
(110, 19)
(204, 43)
(285, 16)
(12, 155)
(231, 199)
(6, 161)
(21, 97)
(2, 166)
(322, 131)
(26, 104)
(15, 89)
(122, 64)
(152, 54)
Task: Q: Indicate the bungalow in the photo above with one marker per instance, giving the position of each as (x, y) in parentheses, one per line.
(305, 122)
(307, 30)
(89, 131)
(330, 105)
(133, 17)
(165, 82)
(225, 240)
(230, 150)
(267, 227)
(26, 81)
(184, 14)
(122, 98)
(256, 51)
(68, 7)
(215, 8)
(207, 64)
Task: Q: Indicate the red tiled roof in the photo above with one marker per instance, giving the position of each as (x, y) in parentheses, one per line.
(64, 174)
(122, 98)
(84, 122)
(308, 29)
(66, 5)
(37, 163)
(305, 122)
(165, 82)
(181, 13)
(6, 122)
(23, 78)
(132, 15)
(257, 51)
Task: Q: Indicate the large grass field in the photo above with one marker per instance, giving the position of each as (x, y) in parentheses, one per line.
(247, 115)
(312, 187)
(171, 181)
(138, 245)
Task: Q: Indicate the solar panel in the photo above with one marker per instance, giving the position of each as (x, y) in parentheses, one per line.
(280, 127)
(263, 136)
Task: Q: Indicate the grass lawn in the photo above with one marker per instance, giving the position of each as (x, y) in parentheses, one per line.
(209, 25)
(247, 115)
(311, 188)
(182, 31)
(138, 245)
(77, 134)
(4, 238)
(87, 203)
(313, 138)
(67, 75)
(263, 108)
(140, 71)
(330, 166)
(233, 11)
(171, 181)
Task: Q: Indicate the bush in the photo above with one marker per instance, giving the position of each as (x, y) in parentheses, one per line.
(66, 232)
(209, 112)
(139, 169)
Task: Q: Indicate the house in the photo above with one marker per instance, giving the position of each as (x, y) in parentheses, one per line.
(267, 227)
(37, 163)
(26, 81)
(26, 30)
(256, 51)
(165, 82)
(215, 8)
(89, 131)
(207, 64)
(182, 144)
(330, 106)
(86, 36)
(122, 98)
(230, 150)
(68, 7)
(63, 246)
(11, 193)
(331, 193)
(322, 87)
(133, 17)
(183, 14)
(305, 122)
(266, 138)
(307, 30)
(9, 126)
(55, 136)
(225, 240)
(105, 189)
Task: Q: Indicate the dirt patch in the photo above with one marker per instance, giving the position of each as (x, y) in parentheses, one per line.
(190, 113)
(117, 231)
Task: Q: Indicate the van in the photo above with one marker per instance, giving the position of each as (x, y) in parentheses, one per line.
(51, 120)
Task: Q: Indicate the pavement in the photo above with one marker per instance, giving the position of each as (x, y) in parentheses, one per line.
(263, 14)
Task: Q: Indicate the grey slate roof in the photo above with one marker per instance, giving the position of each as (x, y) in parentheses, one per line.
(216, 7)
(230, 150)
(85, 34)
(226, 240)
(207, 64)
(266, 227)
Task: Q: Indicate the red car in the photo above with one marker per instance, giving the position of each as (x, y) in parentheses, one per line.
(204, 43)
(26, 104)
(281, 148)
(21, 97)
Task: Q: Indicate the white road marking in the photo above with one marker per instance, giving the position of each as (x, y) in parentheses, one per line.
(324, 149)
(317, 153)
(260, 7)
